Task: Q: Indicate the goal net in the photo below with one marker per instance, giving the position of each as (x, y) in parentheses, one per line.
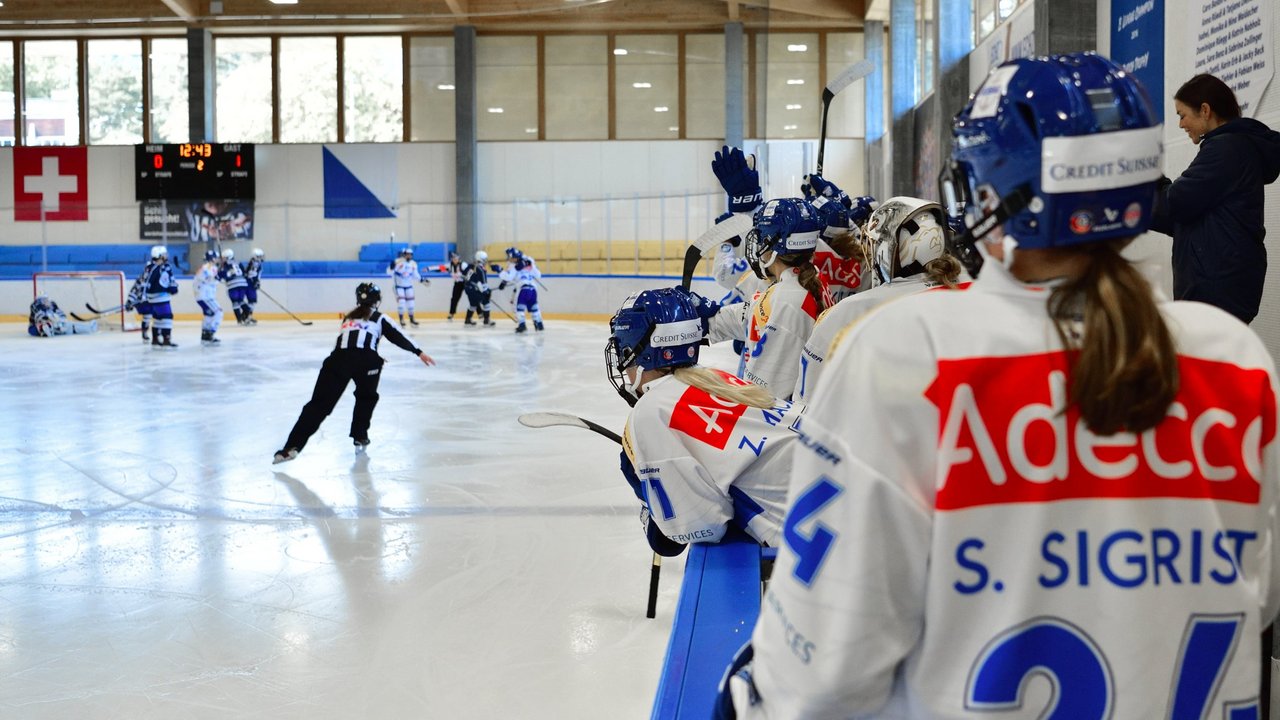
(77, 292)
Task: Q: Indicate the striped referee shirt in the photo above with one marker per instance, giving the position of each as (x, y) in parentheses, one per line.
(360, 334)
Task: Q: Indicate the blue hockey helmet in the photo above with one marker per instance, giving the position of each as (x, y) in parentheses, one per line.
(513, 253)
(368, 294)
(787, 226)
(653, 329)
(1059, 150)
(210, 255)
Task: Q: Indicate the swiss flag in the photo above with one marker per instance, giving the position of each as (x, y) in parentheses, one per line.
(58, 177)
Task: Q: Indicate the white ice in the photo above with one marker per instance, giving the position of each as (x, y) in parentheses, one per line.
(157, 565)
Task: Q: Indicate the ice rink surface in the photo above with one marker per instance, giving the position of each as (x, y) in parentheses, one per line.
(157, 565)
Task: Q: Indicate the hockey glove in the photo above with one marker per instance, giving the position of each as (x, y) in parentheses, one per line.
(862, 208)
(494, 267)
(738, 177)
(738, 672)
(502, 285)
(661, 544)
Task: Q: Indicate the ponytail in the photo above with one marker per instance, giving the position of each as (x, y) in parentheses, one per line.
(943, 270)
(361, 312)
(848, 244)
(809, 278)
(709, 382)
(1125, 374)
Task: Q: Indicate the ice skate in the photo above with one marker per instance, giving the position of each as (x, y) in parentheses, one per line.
(537, 325)
(284, 455)
(450, 318)
(207, 338)
(521, 328)
(360, 443)
(412, 321)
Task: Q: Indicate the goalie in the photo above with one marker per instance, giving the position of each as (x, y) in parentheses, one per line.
(47, 319)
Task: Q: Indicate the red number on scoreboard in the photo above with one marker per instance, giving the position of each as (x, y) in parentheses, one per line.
(237, 159)
(158, 161)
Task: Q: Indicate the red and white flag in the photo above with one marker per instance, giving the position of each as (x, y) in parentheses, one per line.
(55, 178)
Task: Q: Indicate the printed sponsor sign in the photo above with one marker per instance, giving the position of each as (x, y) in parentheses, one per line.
(1103, 161)
(705, 417)
(1004, 437)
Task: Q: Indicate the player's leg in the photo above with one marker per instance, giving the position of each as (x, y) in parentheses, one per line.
(400, 302)
(409, 296)
(486, 307)
(366, 394)
(453, 299)
(250, 303)
(144, 309)
(162, 335)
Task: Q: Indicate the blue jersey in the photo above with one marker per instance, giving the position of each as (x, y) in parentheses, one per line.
(162, 282)
(233, 275)
(253, 272)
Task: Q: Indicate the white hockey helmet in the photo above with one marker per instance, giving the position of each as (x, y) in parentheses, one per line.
(482, 256)
(228, 254)
(257, 252)
(159, 251)
(407, 251)
(905, 234)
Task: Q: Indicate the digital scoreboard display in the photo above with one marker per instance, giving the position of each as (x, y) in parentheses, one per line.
(194, 171)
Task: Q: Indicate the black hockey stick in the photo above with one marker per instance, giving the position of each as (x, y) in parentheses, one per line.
(504, 311)
(552, 419)
(282, 307)
(77, 318)
(108, 311)
(854, 72)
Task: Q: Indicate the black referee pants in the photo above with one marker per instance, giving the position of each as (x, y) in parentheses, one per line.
(364, 367)
(457, 295)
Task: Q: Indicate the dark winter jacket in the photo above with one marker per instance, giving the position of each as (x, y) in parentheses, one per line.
(1214, 213)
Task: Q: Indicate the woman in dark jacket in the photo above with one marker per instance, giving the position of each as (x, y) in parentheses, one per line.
(1214, 209)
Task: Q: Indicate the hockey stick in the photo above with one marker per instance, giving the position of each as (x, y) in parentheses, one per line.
(734, 226)
(504, 310)
(851, 74)
(552, 419)
(282, 307)
(108, 311)
(77, 318)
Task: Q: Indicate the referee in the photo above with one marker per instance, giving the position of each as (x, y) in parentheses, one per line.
(354, 358)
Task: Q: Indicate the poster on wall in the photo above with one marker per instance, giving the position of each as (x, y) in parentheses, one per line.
(50, 183)
(1137, 44)
(1234, 42)
(1014, 38)
(196, 221)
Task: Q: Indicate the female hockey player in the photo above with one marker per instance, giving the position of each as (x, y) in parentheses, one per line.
(253, 275)
(205, 284)
(911, 254)
(137, 300)
(524, 274)
(777, 322)
(720, 446)
(162, 285)
(46, 319)
(355, 359)
(404, 274)
(232, 274)
(1052, 473)
(478, 290)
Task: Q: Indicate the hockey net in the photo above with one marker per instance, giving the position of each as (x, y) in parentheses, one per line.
(76, 292)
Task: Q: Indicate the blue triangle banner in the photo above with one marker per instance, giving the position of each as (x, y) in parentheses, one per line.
(345, 197)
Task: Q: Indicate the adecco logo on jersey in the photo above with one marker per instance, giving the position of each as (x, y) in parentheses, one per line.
(705, 417)
(1005, 439)
(846, 273)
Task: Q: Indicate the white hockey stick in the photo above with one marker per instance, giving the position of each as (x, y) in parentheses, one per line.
(851, 74)
(736, 225)
(554, 419)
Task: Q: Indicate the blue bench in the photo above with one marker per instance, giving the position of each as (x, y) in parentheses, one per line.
(425, 253)
(717, 610)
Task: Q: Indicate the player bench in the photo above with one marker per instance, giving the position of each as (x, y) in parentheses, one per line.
(719, 602)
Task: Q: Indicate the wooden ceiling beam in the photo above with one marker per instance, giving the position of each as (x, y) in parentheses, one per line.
(185, 9)
(457, 7)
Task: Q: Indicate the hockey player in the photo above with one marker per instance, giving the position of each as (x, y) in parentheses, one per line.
(404, 273)
(478, 291)
(1053, 473)
(457, 271)
(162, 284)
(253, 275)
(524, 274)
(838, 256)
(720, 445)
(137, 299)
(777, 322)
(46, 319)
(205, 286)
(911, 254)
(232, 273)
(355, 359)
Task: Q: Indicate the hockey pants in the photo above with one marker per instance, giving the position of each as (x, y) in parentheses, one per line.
(364, 367)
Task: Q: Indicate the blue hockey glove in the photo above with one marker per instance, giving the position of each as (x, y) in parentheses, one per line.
(494, 267)
(862, 208)
(739, 179)
(659, 543)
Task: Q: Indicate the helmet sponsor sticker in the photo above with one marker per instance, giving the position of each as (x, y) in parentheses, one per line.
(676, 333)
(1132, 215)
(1102, 161)
(987, 101)
(1081, 222)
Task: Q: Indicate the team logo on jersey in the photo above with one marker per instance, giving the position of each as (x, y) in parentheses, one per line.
(1004, 437)
(1081, 222)
(705, 417)
(838, 271)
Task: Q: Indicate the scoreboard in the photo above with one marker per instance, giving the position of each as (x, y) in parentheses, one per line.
(194, 171)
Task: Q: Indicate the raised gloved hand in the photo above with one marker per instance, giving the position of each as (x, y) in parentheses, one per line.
(494, 267)
(737, 175)
(861, 209)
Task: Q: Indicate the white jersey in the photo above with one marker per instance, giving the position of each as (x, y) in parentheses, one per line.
(205, 282)
(526, 276)
(954, 532)
(837, 318)
(732, 273)
(708, 463)
(775, 325)
(404, 273)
